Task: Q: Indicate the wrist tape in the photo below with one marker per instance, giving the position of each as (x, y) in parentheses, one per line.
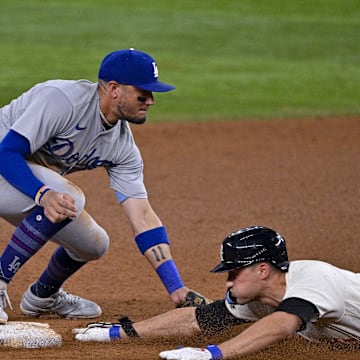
(40, 193)
(127, 326)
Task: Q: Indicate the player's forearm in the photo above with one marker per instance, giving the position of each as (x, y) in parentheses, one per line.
(261, 334)
(152, 240)
(140, 215)
(154, 245)
(159, 256)
(177, 322)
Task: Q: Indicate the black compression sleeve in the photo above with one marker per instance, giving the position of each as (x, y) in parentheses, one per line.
(304, 309)
(215, 317)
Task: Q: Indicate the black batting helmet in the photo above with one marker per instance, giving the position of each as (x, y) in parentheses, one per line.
(252, 245)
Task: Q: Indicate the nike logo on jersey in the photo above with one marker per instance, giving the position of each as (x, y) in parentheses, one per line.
(79, 127)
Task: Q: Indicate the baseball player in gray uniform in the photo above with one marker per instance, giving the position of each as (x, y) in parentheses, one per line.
(61, 126)
(309, 298)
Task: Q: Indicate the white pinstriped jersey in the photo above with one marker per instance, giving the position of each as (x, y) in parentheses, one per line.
(335, 293)
(61, 120)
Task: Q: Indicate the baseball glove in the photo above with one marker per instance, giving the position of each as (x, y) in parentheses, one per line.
(194, 299)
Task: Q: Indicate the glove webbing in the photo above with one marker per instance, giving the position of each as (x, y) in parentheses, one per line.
(194, 299)
(127, 326)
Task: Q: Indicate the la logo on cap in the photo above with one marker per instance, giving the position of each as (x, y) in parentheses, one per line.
(156, 71)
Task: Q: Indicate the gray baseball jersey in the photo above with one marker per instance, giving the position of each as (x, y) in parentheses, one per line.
(335, 293)
(61, 121)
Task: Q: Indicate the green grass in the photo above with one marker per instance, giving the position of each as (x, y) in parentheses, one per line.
(230, 59)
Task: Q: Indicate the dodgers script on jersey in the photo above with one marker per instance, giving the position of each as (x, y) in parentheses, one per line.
(61, 121)
(333, 291)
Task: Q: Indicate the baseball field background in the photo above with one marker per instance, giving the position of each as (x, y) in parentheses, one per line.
(231, 59)
(263, 129)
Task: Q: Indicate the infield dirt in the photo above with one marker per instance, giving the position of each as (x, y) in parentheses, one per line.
(300, 177)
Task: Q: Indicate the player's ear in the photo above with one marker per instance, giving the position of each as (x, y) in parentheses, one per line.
(263, 270)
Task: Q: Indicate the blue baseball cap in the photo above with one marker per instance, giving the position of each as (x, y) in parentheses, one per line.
(132, 67)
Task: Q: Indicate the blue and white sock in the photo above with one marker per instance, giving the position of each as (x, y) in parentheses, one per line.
(28, 238)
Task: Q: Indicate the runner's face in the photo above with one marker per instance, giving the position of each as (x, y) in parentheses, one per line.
(242, 284)
(129, 107)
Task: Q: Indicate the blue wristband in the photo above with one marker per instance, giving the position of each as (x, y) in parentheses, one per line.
(170, 276)
(216, 353)
(114, 333)
(150, 238)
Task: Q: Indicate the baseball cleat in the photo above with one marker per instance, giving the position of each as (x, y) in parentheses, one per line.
(4, 300)
(61, 303)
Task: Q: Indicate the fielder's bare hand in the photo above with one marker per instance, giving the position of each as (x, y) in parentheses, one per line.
(58, 206)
